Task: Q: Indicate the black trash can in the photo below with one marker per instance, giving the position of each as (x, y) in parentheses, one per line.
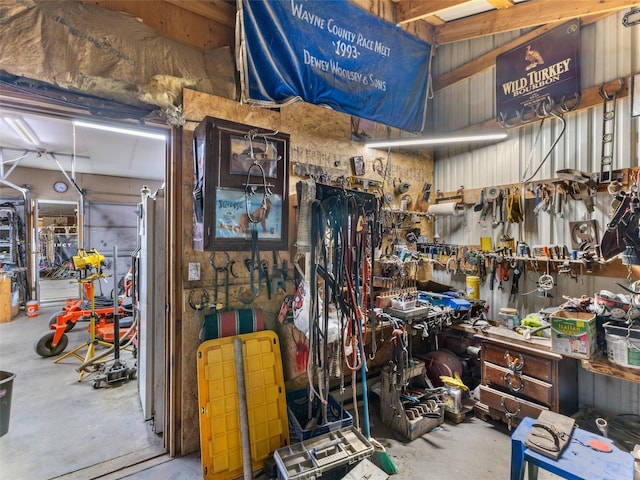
(6, 387)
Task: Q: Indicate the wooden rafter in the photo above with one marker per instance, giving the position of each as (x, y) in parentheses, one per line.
(218, 11)
(488, 60)
(412, 10)
(526, 15)
(589, 98)
(501, 3)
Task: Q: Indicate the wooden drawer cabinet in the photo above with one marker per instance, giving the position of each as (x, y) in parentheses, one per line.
(531, 365)
(518, 384)
(520, 381)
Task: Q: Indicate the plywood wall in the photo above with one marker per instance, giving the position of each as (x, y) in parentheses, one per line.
(318, 136)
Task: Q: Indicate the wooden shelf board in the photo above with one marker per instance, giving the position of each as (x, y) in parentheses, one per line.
(603, 366)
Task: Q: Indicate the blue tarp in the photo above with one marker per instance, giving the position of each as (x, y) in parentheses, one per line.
(333, 53)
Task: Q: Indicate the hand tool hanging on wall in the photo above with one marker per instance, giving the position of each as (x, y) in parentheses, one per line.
(278, 278)
(494, 267)
(264, 274)
(251, 189)
(559, 198)
(218, 269)
(253, 265)
(515, 281)
(582, 187)
(500, 276)
(608, 130)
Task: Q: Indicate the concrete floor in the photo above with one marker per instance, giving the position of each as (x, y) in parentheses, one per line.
(58, 424)
(65, 429)
(60, 289)
(473, 449)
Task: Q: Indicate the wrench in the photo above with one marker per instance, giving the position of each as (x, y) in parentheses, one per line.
(278, 280)
(493, 273)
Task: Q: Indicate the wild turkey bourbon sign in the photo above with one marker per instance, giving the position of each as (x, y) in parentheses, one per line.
(539, 76)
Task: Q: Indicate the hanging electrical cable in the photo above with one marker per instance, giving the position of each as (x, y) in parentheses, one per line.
(547, 109)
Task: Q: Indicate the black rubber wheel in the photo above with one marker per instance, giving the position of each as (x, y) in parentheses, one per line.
(44, 348)
(54, 319)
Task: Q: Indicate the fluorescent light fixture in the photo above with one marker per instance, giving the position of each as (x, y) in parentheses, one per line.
(23, 130)
(123, 130)
(442, 140)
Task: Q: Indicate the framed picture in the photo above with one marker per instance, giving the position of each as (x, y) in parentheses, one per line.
(242, 174)
(358, 165)
(236, 212)
(635, 95)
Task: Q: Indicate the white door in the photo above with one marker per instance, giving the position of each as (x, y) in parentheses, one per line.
(150, 309)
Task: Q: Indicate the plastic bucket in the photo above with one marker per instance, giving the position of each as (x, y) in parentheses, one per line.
(473, 286)
(623, 351)
(6, 387)
(32, 309)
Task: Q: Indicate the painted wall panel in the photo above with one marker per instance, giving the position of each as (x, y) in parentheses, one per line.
(608, 51)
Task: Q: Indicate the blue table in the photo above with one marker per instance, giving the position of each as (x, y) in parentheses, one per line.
(577, 462)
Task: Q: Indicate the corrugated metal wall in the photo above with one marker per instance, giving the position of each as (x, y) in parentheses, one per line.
(608, 51)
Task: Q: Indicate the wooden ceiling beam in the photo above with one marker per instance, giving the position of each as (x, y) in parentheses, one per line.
(412, 10)
(527, 15)
(589, 98)
(171, 19)
(218, 11)
(387, 10)
(433, 20)
(420, 30)
(501, 3)
(488, 60)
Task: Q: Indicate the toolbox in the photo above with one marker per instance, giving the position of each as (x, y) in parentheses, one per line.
(440, 300)
(298, 411)
(332, 452)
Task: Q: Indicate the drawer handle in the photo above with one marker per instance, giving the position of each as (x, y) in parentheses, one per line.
(514, 363)
(510, 415)
(514, 382)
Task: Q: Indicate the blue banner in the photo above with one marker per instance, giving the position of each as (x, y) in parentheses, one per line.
(334, 54)
(547, 67)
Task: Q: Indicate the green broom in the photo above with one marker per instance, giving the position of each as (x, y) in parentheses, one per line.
(382, 459)
(380, 456)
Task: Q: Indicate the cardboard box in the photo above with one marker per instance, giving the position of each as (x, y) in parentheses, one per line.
(573, 334)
